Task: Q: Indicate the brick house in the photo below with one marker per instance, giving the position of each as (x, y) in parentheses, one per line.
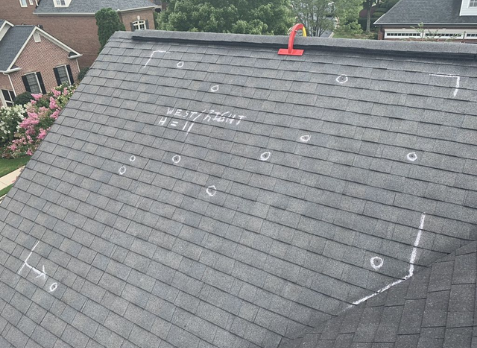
(454, 20)
(32, 60)
(73, 21)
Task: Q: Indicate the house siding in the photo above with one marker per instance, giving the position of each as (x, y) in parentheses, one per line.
(40, 57)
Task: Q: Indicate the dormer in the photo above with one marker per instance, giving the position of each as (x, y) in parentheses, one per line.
(468, 8)
(24, 3)
(61, 3)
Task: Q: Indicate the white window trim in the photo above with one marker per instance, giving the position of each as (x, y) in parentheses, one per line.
(37, 81)
(23, 1)
(137, 24)
(2, 98)
(443, 34)
(466, 10)
(67, 73)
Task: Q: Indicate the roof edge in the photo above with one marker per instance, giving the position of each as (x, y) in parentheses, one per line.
(411, 48)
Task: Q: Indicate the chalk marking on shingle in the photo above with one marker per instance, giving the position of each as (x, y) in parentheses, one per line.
(411, 266)
(411, 156)
(265, 156)
(457, 81)
(132, 158)
(122, 170)
(150, 57)
(376, 262)
(342, 79)
(176, 159)
(211, 190)
(40, 274)
(180, 64)
(305, 138)
(214, 88)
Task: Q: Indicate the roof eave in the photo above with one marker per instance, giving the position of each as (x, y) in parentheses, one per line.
(9, 71)
(138, 8)
(64, 14)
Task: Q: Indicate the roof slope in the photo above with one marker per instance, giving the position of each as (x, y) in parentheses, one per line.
(436, 308)
(91, 6)
(200, 190)
(12, 43)
(427, 12)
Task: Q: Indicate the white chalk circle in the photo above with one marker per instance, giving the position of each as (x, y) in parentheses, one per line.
(53, 287)
(176, 159)
(180, 64)
(342, 79)
(265, 156)
(412, 156)
(215, 88)
(122, 170)
(305, 138)
(211, 190)
(376, 262)
(132, 158)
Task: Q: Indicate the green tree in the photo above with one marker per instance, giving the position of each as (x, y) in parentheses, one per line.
(108, 23)
(272, 17)
(319, 16)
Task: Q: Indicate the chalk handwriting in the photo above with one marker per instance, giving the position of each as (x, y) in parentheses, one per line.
(342, 79)
(305, 138)
(411, 265)
(376, 262)
(152, 55)
(180, 64)
(40, 274)
(122, 170)
(132, 158)
(214, 88)
(211, 190)
(457, 81)
(176, 159)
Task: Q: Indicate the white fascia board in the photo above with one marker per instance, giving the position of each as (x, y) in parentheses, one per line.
(138, 8)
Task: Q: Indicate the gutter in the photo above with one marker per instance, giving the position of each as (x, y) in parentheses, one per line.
(75, 56)
(6, 72)
(87, 13)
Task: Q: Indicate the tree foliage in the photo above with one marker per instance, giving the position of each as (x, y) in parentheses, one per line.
(319, 16)
(108, 22)
(272, 17)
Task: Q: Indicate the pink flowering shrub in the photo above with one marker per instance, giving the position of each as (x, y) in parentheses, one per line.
(41, 113)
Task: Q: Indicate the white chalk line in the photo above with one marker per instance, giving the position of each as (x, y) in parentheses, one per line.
(40, 274)
(457, 83)
(411, 267)
(150, 57)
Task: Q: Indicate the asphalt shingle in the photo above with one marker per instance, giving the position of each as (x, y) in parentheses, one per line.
(200, 190)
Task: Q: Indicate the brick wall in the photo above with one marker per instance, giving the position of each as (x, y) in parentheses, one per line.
(131, 16)
(78, 32)
(15, 14)
(43, 57)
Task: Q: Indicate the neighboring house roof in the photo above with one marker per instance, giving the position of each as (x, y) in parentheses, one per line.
(91, 6)
(200, 190)
(427, 12)
(12, 43)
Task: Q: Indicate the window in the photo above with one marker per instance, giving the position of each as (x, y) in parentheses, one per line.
(23, 3)
(139, 25)
(473, 3)
(7, 97)
(34, 83)
(60, 3)
(63, 75)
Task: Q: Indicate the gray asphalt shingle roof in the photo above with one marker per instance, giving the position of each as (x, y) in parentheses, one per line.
(12, 43)
(200, 190)
(91, 6)
(427, 12)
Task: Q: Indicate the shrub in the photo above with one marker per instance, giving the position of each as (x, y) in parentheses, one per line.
(23, 98)
(41, 114)
(83, 73)
(10, 118)
(108, 22)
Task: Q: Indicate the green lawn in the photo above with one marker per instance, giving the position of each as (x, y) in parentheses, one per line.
(8, 165)
(5, 190)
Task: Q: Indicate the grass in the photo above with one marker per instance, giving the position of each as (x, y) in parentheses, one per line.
(8, 165)
(5, 190)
